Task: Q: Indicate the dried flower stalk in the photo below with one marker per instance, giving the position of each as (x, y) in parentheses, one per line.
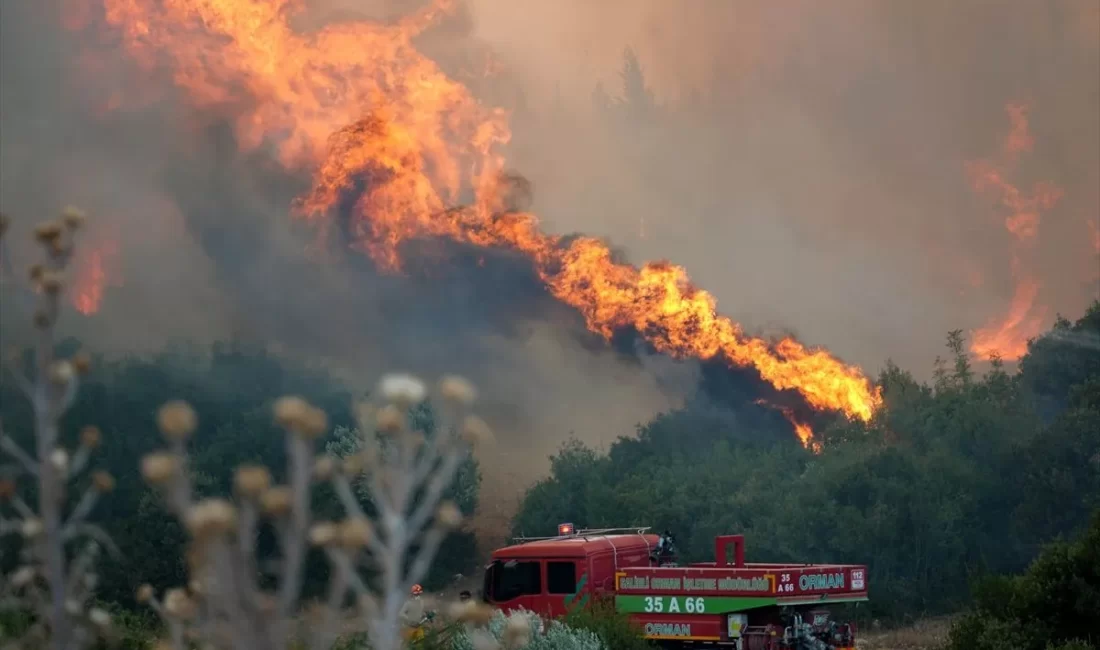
(225, 605)
(375, 559)
(54, 588)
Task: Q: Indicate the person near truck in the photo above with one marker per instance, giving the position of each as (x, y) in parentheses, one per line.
(413, 615)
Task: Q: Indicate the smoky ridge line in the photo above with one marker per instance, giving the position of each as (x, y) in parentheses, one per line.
(448, 290)
(245, 254)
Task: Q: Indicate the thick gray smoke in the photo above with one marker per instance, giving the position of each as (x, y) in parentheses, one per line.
(804, 160)
(206, 250)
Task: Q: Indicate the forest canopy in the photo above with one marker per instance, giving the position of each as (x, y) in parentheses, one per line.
(232, 387)
(967, 475)
(957, 478)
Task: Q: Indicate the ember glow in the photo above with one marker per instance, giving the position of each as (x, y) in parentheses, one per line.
(88, 292)
(1007, 336)
(357, 102)
(92, 275)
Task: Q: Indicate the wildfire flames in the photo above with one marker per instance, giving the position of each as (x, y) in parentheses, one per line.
(88, 292)
(93, 276)
(357, 101)
(1007, 337)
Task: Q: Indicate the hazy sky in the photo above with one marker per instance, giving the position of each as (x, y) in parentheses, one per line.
(807, 165)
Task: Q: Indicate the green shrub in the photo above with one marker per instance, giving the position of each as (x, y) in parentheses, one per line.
(613, 628)
(1051, 607)
(553, 636)
(132, 630)
(1072, 645)
(14, 624)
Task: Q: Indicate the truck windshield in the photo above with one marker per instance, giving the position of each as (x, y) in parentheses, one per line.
(512, 579)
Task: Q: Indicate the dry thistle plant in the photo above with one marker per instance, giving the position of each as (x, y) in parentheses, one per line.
(49, 584)
(375, 558)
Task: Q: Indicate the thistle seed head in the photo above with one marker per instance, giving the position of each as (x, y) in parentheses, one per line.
(73, 217)
(103, 482)
(276, 501)
(457, 390)
(62, 372)
(47, 232)
(324, 466)
(99, 617)
(32, 528)
(82, 362)
(475, 432)
(59, 460)
(159, 468)
(178, 604)
(355, 532)
(448, 516)
(403, 389)
(358, 463)
(323, 533)
(211, 518)
(144, 594)
(177, 420)
(252, 481)
(300, 418)
(90, 437)
(23, 576)
(390, 419)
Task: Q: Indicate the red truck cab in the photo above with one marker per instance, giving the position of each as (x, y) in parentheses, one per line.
(550, 576)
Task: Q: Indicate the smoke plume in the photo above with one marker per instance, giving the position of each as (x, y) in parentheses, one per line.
(193, 240)
(808, 165)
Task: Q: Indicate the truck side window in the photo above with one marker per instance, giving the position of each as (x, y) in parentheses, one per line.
(515, 579)
(561, 577)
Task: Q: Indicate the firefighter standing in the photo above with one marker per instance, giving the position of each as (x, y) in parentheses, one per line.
(413, 615)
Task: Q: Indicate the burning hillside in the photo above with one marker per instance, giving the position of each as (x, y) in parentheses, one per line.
(1007, 337)
(394, 145)
(95, 269)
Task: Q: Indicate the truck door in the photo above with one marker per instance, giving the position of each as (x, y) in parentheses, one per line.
(565, 587)
(514, 584)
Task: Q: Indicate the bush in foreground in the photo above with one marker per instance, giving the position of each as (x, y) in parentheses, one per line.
(614, 629)
(526, 630)
(1053, 606)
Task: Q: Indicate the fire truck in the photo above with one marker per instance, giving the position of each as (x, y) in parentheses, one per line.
(727, 603)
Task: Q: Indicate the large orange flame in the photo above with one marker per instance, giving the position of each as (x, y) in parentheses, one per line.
(357, 100)
(1007, 336)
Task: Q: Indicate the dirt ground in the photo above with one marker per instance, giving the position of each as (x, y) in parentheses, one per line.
(929, 634)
